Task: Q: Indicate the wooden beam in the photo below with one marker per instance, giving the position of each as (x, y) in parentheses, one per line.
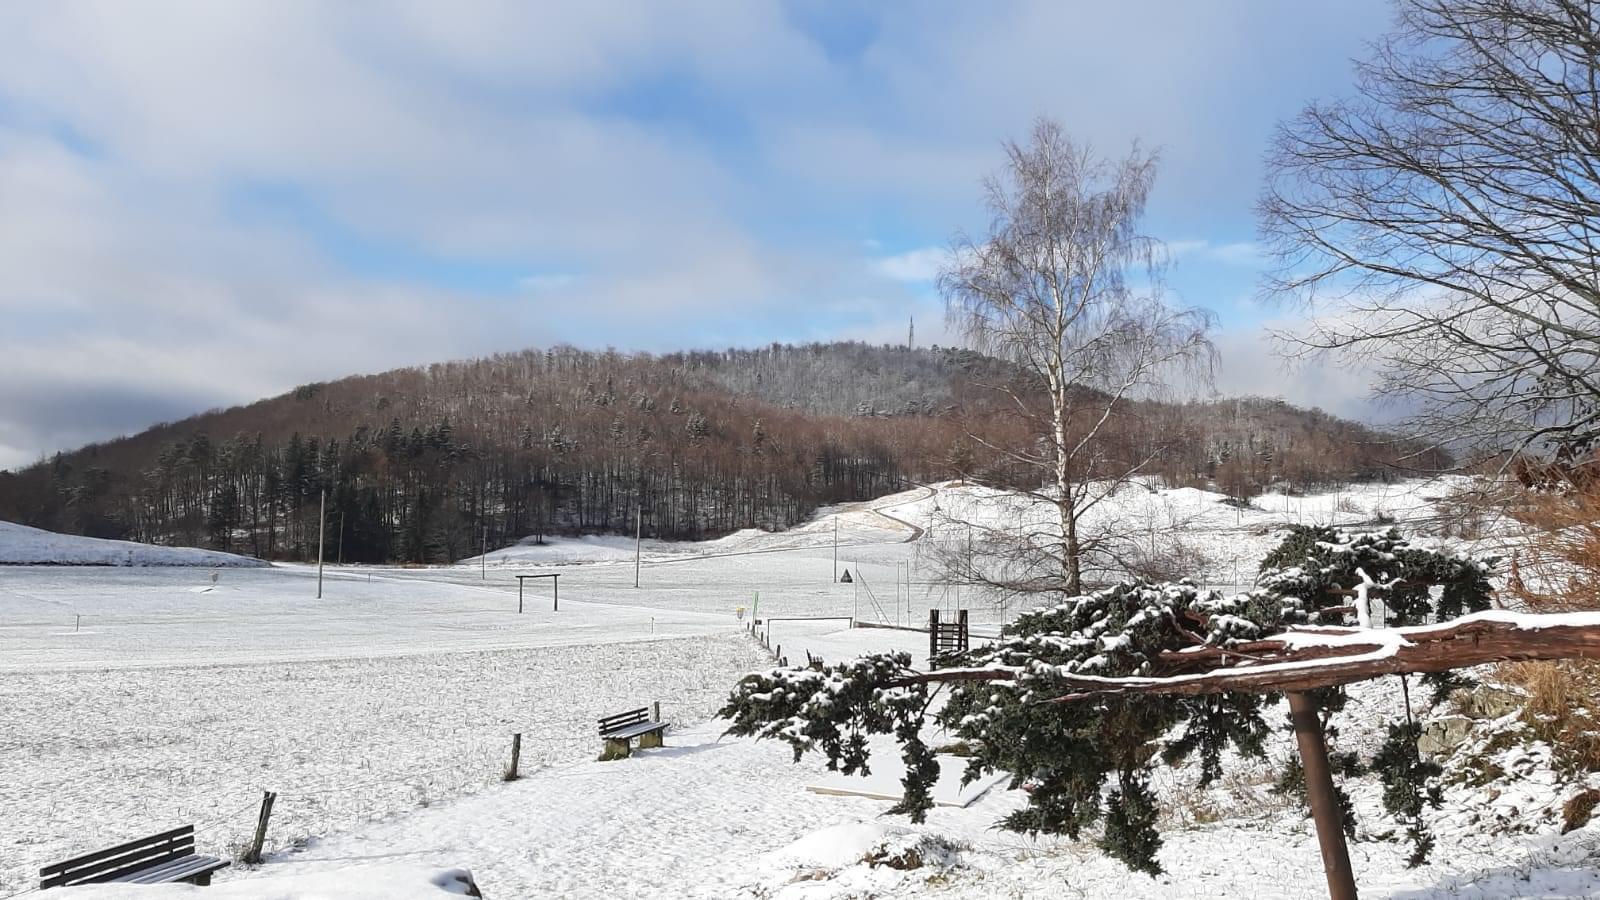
(1311, 657)
(1324, 800)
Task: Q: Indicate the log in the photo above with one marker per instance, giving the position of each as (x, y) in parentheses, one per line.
(1360, 655)
(1309, 657)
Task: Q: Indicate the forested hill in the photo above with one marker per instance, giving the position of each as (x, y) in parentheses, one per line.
(418, 462)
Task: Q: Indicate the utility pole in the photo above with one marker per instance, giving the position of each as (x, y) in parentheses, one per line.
(322, 531)
(638, 540)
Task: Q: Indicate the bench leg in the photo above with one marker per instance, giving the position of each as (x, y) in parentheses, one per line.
(201, 880)
(650, 740)
(615, 749)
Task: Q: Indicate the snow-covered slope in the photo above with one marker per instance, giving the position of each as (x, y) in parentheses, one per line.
(21, 545)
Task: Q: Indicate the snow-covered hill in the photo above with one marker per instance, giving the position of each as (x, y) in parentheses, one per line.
(21, 545)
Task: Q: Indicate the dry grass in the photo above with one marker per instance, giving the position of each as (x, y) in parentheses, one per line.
(1558, 570)
(1563, 708)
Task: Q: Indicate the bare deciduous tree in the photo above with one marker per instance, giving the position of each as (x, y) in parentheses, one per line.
(1451, 212)
(1067, 289)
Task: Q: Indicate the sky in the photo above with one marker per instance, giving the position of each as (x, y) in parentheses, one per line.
(202, 204)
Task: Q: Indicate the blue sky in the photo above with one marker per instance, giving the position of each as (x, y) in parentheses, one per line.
(203, 203)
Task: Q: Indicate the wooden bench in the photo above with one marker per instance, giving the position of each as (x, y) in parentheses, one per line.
(158, 859)
(618, 732)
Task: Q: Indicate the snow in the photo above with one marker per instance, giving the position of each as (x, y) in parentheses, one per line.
(883, 783)
(834, 847)
(354, 883)
(141, 698)
(21, 545)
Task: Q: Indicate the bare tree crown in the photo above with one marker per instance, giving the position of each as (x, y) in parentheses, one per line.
(1450, 212)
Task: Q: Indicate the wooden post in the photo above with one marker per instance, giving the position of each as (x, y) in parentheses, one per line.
(933, 638)
(322, 529)
(555, 583)
(516, 757)
(655, 710)
(253, 856)
(520, 582)
(835, 549)
(638, 540)
(1325, 811)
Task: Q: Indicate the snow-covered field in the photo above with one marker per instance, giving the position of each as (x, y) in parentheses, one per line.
(24, 546)
(137, 699)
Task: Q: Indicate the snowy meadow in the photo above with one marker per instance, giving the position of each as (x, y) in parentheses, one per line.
(139, 698)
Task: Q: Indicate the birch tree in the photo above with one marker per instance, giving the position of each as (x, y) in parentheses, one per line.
(1066, 288)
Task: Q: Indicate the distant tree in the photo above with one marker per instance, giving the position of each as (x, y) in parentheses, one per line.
(1051, 290)
(1451, 213)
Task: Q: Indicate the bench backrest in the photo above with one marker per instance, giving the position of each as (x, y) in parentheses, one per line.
(623, 720)
(107, 864)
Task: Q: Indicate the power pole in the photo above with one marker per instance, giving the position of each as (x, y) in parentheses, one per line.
(638, 540)
(322, 531)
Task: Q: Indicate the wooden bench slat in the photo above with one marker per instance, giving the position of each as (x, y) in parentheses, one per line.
(180, 869)
(176, 834)
(634, 730)
(130, 860)
(625, 718)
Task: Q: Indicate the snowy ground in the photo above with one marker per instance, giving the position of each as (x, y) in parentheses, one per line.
(142, 698)
(24, 546)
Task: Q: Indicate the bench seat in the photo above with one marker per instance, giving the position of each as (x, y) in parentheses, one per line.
(184, 868)
(632, 731)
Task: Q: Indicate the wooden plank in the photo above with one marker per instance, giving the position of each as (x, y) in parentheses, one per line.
(108, 870)
(640, 712)
(181, 869)
(102, 866)
(186, 830)
(634, 730)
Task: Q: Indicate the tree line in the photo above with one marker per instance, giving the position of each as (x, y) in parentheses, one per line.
(428, 464)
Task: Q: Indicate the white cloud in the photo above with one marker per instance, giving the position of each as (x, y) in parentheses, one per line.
(1252, 364)
(1237, 253)
(499, 133)
(547, 281)
(914, 265)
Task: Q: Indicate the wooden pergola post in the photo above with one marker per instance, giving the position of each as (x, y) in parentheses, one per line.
(555, 583)
(1325, 812)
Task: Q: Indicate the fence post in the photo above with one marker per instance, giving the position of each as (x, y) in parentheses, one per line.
(655, 710)
(516, 757)
(253, 857)
(1325, 813)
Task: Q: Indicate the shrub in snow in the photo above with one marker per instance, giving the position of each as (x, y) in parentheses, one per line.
(1086, 762)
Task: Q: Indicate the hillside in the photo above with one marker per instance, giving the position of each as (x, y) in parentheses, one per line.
(429, 463)
(24, 546)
